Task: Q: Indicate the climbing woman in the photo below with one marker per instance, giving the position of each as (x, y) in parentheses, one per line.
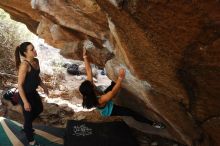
(103, 101)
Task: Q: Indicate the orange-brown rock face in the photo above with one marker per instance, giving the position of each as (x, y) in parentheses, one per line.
(170, 50)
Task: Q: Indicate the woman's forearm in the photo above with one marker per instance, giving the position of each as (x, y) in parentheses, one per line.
(87, 64)
(111, 94)
(117, 86)
(88, 68)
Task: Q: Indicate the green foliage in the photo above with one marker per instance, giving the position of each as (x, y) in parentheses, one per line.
(12, 33)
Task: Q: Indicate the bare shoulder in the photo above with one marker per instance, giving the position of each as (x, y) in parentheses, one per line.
(24, 66)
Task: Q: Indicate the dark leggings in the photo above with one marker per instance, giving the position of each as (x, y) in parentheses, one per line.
(29, 116)
(123, 111)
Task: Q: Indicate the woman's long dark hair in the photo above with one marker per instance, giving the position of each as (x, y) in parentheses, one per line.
(20, 51)
(89, 96)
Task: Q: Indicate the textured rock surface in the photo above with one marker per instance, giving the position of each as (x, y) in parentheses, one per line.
(170, 50)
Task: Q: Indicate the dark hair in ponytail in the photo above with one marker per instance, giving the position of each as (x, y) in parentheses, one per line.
(89, 97)
(20, 51)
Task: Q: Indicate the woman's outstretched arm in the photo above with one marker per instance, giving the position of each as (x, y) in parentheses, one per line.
(111, 94)
(88, 66)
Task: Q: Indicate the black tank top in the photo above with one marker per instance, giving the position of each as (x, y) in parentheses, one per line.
(32, 79)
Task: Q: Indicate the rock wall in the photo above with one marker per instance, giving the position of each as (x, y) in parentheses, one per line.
(170, 50)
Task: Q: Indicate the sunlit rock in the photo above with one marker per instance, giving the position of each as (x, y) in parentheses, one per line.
(170, 50)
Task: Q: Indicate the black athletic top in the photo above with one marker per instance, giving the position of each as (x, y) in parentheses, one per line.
(32, 79)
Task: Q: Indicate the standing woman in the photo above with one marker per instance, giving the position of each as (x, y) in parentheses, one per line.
(28, 81)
